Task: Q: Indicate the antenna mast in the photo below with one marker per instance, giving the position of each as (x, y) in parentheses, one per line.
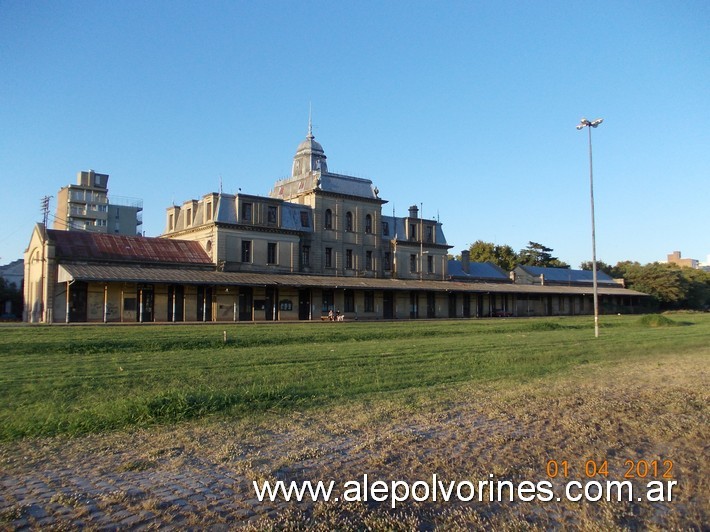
(45, 209)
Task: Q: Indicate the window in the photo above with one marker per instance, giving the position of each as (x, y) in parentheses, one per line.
(271, 253)
(272, 215)
(385, 229)
(328, 219)
(430, 263)
(246, 212)
(369, 301)
(412, 231)
(188, 220)
(429, 233)
(368, 260)
(413, 263)
(348, 221)
(349, 301)
(208, 211)
(328, 257)
(304, 219)
(368, 224)
(171, 222)
(387, 261)
(306, 256)
(349, 259)
(246, 250)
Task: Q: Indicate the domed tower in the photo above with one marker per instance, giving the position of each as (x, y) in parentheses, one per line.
(310, 156)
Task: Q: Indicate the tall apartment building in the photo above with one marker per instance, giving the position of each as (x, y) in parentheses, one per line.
(86, 207)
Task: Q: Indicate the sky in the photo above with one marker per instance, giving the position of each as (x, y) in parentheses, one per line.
(465, 108)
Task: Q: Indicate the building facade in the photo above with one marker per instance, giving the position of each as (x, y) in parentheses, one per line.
(318, 244)
(313, 222)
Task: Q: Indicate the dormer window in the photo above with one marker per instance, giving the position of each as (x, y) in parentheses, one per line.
(246, 212)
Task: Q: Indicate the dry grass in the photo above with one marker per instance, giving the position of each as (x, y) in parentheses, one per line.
(653, 408)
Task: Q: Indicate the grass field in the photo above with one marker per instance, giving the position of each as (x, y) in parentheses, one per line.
(92, 410)
(82, 379)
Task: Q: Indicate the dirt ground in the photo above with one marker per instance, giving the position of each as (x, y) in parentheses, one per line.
(200, 474)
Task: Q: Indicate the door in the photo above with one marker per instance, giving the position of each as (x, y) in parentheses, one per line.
(413, 305)
(77, 301)
(270, 311)
(146, 298)
(430, 305)
(204, 303)
(388, 304)
(246, 298)
(176, 303)
(452, 305)
(304, 304)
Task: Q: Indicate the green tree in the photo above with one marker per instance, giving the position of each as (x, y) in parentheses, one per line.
(538, 255)
(601, 267)
(500, 255)
(665, 282)
(698, 295)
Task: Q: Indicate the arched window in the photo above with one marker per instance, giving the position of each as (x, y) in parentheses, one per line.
(348, 221)
(328, 219)
(368, 224)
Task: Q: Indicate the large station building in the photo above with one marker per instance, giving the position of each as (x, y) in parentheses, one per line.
(319, 242)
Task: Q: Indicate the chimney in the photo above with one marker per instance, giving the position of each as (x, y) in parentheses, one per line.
(542, 279)
(466, 260)
(414, 211)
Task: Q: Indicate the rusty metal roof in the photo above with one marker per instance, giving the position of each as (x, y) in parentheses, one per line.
(138, 274)
(99, 247)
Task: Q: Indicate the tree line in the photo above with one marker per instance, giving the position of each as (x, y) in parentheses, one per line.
(671, 286)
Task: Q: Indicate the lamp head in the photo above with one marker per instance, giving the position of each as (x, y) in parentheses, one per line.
(597, 122)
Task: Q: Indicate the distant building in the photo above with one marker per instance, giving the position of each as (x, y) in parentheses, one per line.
(10, 298)
(13, 273)
(674, 258)
(86, 207)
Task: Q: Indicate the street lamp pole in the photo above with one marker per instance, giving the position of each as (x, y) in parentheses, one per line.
(589, 124)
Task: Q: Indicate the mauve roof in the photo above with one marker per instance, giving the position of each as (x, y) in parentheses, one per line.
(86, 246)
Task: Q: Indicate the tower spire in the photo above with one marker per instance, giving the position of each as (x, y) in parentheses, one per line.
(310, 121)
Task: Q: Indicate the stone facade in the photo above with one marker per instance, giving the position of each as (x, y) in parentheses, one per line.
(314, 222)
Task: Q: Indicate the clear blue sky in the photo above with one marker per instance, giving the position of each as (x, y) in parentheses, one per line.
(467, 107)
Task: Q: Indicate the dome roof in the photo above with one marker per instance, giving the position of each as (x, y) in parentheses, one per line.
(310, 145)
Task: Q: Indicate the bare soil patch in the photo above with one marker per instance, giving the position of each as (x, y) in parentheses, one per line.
(200, 474)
